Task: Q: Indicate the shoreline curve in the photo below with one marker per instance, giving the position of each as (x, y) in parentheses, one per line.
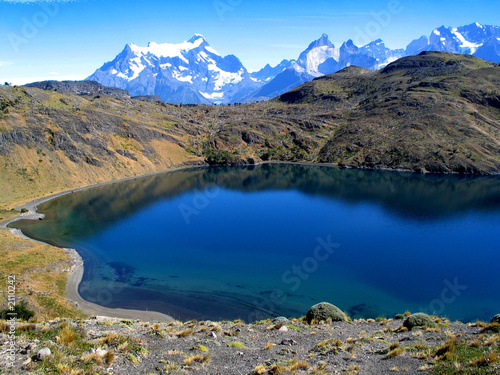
(75, 274)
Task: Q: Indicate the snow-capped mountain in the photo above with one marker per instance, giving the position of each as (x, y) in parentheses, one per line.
(321, 57)
(193, 72)
(189, 72)
(474, 39)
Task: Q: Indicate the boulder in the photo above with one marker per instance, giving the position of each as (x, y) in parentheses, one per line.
(419, 320)
(495, 319)
(325, 311)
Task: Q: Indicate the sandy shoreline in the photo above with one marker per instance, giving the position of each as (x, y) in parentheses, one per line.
(75, 276)
(76, 273)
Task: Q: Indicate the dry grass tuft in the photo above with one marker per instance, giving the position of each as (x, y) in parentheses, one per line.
(298, 365)
(109, 357)
(277, 369)
(475, 344)
(259, 370)
(199, 358)
(268, 346)
(186, 332)
(446, 350)
(124, 347)
(66, 336)
(495, 339)
(394, 345)
(487, 359)
(395, 352)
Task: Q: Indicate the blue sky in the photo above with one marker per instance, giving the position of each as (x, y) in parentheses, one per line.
(71, 39)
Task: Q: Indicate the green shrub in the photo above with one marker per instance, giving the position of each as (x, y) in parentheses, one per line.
(20, 311)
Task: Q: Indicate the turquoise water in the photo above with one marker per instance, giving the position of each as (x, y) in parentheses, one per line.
(251, 243)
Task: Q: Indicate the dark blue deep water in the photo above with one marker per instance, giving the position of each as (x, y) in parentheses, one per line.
(251, 243)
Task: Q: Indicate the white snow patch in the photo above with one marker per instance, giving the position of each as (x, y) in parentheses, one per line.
(211, 50)
(436, 32)
(121, 75)
(387, 62)
(465, 43)
(223, 78)
(214, 95)
(182, 78)
(167, 49)
(319, 55)
(137, 67)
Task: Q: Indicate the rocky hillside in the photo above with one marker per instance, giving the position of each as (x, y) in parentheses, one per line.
(433, 112)
(90, 88)
(436, 112)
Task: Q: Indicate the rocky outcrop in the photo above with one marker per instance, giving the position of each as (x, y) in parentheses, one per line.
(90, 88)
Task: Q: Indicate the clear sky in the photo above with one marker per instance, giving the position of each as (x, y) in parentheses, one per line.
(70, 39)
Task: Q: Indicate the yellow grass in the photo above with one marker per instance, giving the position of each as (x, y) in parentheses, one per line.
(29, 262)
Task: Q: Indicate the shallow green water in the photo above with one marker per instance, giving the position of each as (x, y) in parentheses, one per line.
(222, 243)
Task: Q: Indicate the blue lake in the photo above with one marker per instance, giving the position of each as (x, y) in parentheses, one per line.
(269, 240)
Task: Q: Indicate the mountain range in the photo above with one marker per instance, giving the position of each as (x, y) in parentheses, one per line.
(193, 72)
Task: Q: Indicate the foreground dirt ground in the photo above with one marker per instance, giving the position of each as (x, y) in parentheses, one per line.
(103, 345)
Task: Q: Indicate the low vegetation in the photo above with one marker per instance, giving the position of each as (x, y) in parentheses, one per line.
(361, 346)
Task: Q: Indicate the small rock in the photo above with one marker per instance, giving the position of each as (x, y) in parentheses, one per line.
(495, 319)
(283, 329)
(90, 351)
(101, 352)
(43, 353)
(214, 335)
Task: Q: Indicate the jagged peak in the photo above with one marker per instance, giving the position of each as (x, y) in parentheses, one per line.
(196, 37)
(349, 45)
(376, 43)
(323, 41)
